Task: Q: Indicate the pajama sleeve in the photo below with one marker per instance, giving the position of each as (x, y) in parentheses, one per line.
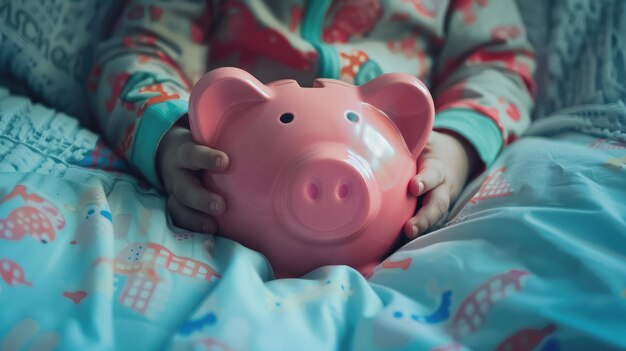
(483, 76)
(142, 75)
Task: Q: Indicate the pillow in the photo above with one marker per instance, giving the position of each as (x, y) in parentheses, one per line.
(581, 52)
(46, 48)
(536, 17)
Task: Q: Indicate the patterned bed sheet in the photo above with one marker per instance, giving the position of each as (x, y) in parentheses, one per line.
(533, 258)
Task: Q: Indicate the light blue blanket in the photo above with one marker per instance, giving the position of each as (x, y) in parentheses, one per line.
(533, 258)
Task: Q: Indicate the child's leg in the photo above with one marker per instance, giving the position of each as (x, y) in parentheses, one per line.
(537, 252)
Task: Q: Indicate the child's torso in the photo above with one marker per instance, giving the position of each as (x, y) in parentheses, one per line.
(351, 40)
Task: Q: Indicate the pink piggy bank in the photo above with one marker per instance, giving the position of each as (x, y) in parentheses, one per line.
(317, 176)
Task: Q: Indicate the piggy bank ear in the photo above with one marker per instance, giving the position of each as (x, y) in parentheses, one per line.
(215, 94)
(407, 102)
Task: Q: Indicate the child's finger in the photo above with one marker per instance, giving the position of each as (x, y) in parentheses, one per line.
(429, 177)
(189, 192)
(434, 206)
(195, 157)
(190, 219)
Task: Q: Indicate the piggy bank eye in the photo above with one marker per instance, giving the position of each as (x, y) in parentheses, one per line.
(352, 116)
(286, 118)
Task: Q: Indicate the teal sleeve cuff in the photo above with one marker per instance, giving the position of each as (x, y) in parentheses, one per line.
(478, 129)
(156, 120)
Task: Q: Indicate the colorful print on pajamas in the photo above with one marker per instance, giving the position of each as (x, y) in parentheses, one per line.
(473, 54)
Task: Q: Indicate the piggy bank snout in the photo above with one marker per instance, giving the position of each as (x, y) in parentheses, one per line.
(329, 196)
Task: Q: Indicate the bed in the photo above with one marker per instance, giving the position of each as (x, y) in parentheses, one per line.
(531, 257)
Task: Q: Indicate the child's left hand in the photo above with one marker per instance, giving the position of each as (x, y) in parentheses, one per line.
(443, 169)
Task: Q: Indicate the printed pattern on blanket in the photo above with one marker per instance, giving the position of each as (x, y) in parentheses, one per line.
(533, 261)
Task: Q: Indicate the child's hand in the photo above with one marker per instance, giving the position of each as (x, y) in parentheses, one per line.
(443, 168)
(180, 162)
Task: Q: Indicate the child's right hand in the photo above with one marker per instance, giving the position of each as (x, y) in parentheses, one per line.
(180, 162)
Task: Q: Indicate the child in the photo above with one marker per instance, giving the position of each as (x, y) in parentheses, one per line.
(473, 54)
